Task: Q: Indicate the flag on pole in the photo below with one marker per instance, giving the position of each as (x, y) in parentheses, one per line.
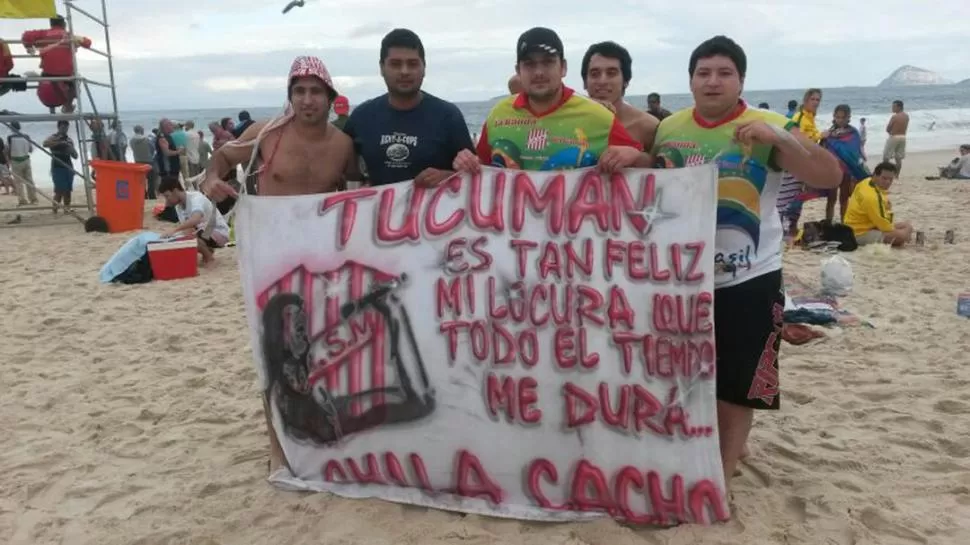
(27, 9)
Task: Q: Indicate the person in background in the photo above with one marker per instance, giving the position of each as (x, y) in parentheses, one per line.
(792, 108)
(6, 66)
(654, 108)
(220, 135)
(192, 149)
(870, 214)
(6, 180)
(515, 85)
(751, 147)
(406, 133)
(959, 168)
(56, 59)
(792, 194)
(119, 142)
(99, 141)
(245, 120)
(864, 134)
(166, 152)
(341, 107)
(606, 71)
(205, 151)
(181, 140)
(19, 149)
(845, 143)
(143, 152)
(196, 215)
(228, 125)
(63, 153)
(804, 118)
(764, 106)
(895, 148)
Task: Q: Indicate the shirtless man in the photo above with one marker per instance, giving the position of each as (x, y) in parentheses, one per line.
(515, 85)
(896, 142)
(301, 153)
(607, 70)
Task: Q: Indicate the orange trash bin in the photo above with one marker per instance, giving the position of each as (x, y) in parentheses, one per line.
(120, 194)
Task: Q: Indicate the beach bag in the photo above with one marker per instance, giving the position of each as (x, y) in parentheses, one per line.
(841, 233)
(837, 278)
(139, 272)
(124, 262)
(826, 231)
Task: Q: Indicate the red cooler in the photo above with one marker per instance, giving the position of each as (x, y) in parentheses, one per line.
(174, 259)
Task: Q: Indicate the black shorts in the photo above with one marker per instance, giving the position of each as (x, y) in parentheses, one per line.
(748, 320)
(208, 241)
(225, 205)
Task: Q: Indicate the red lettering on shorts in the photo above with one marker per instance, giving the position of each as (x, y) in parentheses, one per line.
(765, 383)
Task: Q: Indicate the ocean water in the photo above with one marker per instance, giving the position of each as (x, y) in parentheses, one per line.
(939, 116)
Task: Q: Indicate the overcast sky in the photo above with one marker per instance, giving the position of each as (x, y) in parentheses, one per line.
(230, 53)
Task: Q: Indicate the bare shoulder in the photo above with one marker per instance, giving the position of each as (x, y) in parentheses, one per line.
(338, 136)
(340, 142)
(252, 131)
(340, 146)
(646, 119)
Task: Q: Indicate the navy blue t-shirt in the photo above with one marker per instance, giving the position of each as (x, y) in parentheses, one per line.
(396, 145)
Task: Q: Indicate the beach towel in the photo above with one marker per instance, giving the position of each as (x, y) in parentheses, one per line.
(128, 257)
(846, 144)
(805, 305)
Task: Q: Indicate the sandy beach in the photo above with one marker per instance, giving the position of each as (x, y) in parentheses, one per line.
(131, 416)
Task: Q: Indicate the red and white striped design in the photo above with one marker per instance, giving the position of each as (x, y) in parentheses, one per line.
(350, 357)
(536, 140)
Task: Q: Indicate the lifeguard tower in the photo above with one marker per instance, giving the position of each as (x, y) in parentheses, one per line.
(81, 116)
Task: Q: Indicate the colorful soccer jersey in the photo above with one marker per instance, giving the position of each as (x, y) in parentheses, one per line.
(749, 231)
(573, 135)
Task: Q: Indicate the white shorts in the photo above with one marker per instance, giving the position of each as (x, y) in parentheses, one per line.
(895, 148)
(870, 237)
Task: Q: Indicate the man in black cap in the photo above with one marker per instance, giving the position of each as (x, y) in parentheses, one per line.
(548, 126)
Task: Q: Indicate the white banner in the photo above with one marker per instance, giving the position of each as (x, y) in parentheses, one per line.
(535, 345)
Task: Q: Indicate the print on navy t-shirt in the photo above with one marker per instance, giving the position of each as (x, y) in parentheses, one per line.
(396, 145)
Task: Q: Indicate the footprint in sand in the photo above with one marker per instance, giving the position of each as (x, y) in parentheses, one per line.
(943, 466)
(799, 397)
(916, 444)
(879, 395)
(934, 426)
(954, 449)
(848, 486)
(758, 475)
(950, 406)
(873, 519)
(129, 430)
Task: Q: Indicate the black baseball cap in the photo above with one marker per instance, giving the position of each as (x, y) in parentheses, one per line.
(539, 40)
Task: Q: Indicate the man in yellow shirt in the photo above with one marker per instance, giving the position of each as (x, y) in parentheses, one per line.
(870, 214)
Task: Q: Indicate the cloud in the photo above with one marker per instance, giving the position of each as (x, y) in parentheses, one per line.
(242, 83)
(371, 29)
(212, 53)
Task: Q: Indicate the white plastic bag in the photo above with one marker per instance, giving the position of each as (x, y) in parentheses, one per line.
(836, 276)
